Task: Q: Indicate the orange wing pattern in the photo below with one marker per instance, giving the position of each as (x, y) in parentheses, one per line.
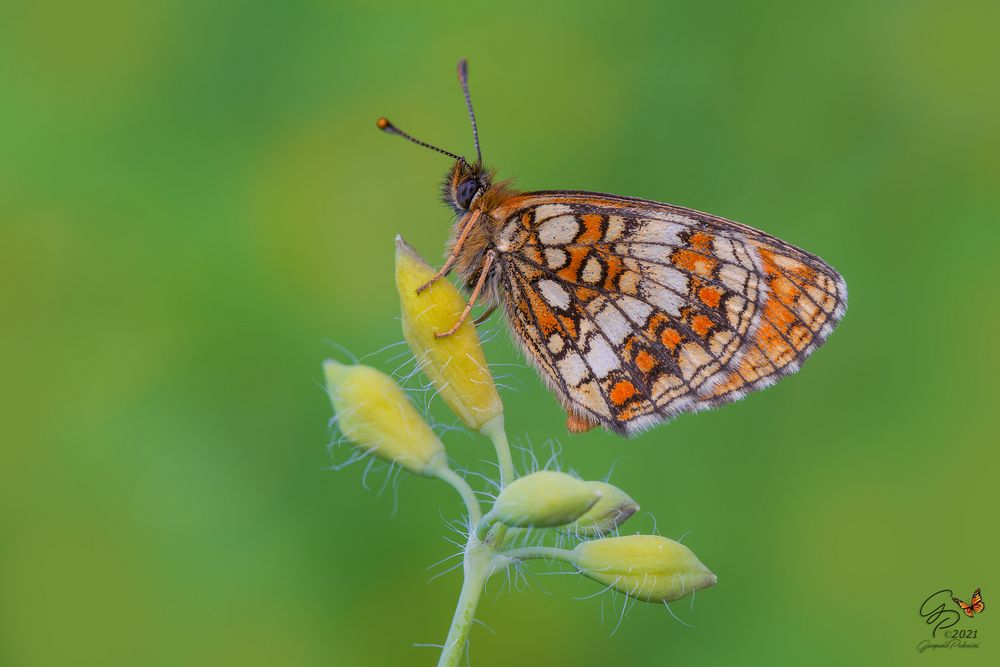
(636, 311)
(974, 606)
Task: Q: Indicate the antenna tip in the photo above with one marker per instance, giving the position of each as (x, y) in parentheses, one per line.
(384, 124)
(463, 70)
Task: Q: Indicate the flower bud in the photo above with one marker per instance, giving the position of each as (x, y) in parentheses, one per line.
(375, 414)
(543, 499)
(455, 364)
(646, 567)
(611, 510)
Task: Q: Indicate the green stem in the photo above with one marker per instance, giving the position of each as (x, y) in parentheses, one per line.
(478, 565)
(552, 553)
(495, 431)
(446, 474)
(483, 525)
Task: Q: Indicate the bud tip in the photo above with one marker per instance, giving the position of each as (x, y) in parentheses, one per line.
(332, 368)
(402, 247)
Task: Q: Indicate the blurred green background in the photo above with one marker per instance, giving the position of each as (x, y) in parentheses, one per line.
(195, 200)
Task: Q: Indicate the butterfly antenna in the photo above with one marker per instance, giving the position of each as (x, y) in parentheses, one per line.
(463, 78)
(386, 126)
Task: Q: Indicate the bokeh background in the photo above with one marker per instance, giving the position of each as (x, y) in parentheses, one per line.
(195, 202)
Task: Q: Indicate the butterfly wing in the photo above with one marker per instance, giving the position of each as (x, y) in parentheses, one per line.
(636, 311)
(966, 608)
(977, 601)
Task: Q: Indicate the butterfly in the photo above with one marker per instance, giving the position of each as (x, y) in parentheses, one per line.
(633, 311)
(975, 606)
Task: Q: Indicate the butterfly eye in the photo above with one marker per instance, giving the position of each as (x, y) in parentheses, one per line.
(465, 191)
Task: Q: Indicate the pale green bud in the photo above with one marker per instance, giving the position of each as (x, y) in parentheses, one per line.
(611, 510)
(544, 499)
(646, 567)
(455, 364)
(375, 414)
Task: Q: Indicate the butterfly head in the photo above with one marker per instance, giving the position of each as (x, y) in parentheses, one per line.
(465, 181)
(464, 184)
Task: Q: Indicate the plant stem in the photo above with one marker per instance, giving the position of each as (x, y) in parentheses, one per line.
(495, 431)
(478, 565)
(446, 474)
(552, 553)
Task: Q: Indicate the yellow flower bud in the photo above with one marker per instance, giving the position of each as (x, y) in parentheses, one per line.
(646, 567)
(611, 510)
(455, 364)
(375, 414)
(543, 499)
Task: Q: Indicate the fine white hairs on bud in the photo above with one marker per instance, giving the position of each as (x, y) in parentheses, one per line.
(544, 499)
(611, 510)
(375, 415)
(646, 567)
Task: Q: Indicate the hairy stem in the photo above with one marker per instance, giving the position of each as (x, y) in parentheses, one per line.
(446, 474)
(477, 567)
(494, 430)
(478, 563)
(551, 553)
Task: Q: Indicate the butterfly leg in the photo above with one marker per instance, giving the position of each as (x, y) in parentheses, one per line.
(443, 271)
(485, 316)
(490, 257)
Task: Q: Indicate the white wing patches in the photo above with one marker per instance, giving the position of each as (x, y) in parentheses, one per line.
(739, 275)
(546, 211)
(666, 276)
(558, 231)
(556, 343)
(666, 388)
(664, 299)
(739, 313)
(592, 272)
(616, 225)
(733, 277)
(601, 357)
(727, 250)
(724, 344)
(825, 300)
(696, 364)
(655, 253)
(613, 324)
(555, 258)
(590, 396)
(554, 294)
(678, 218)
(636, 310)
(573, 368)
(656, 231)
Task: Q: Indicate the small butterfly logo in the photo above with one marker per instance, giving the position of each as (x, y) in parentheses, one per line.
(974, 606)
